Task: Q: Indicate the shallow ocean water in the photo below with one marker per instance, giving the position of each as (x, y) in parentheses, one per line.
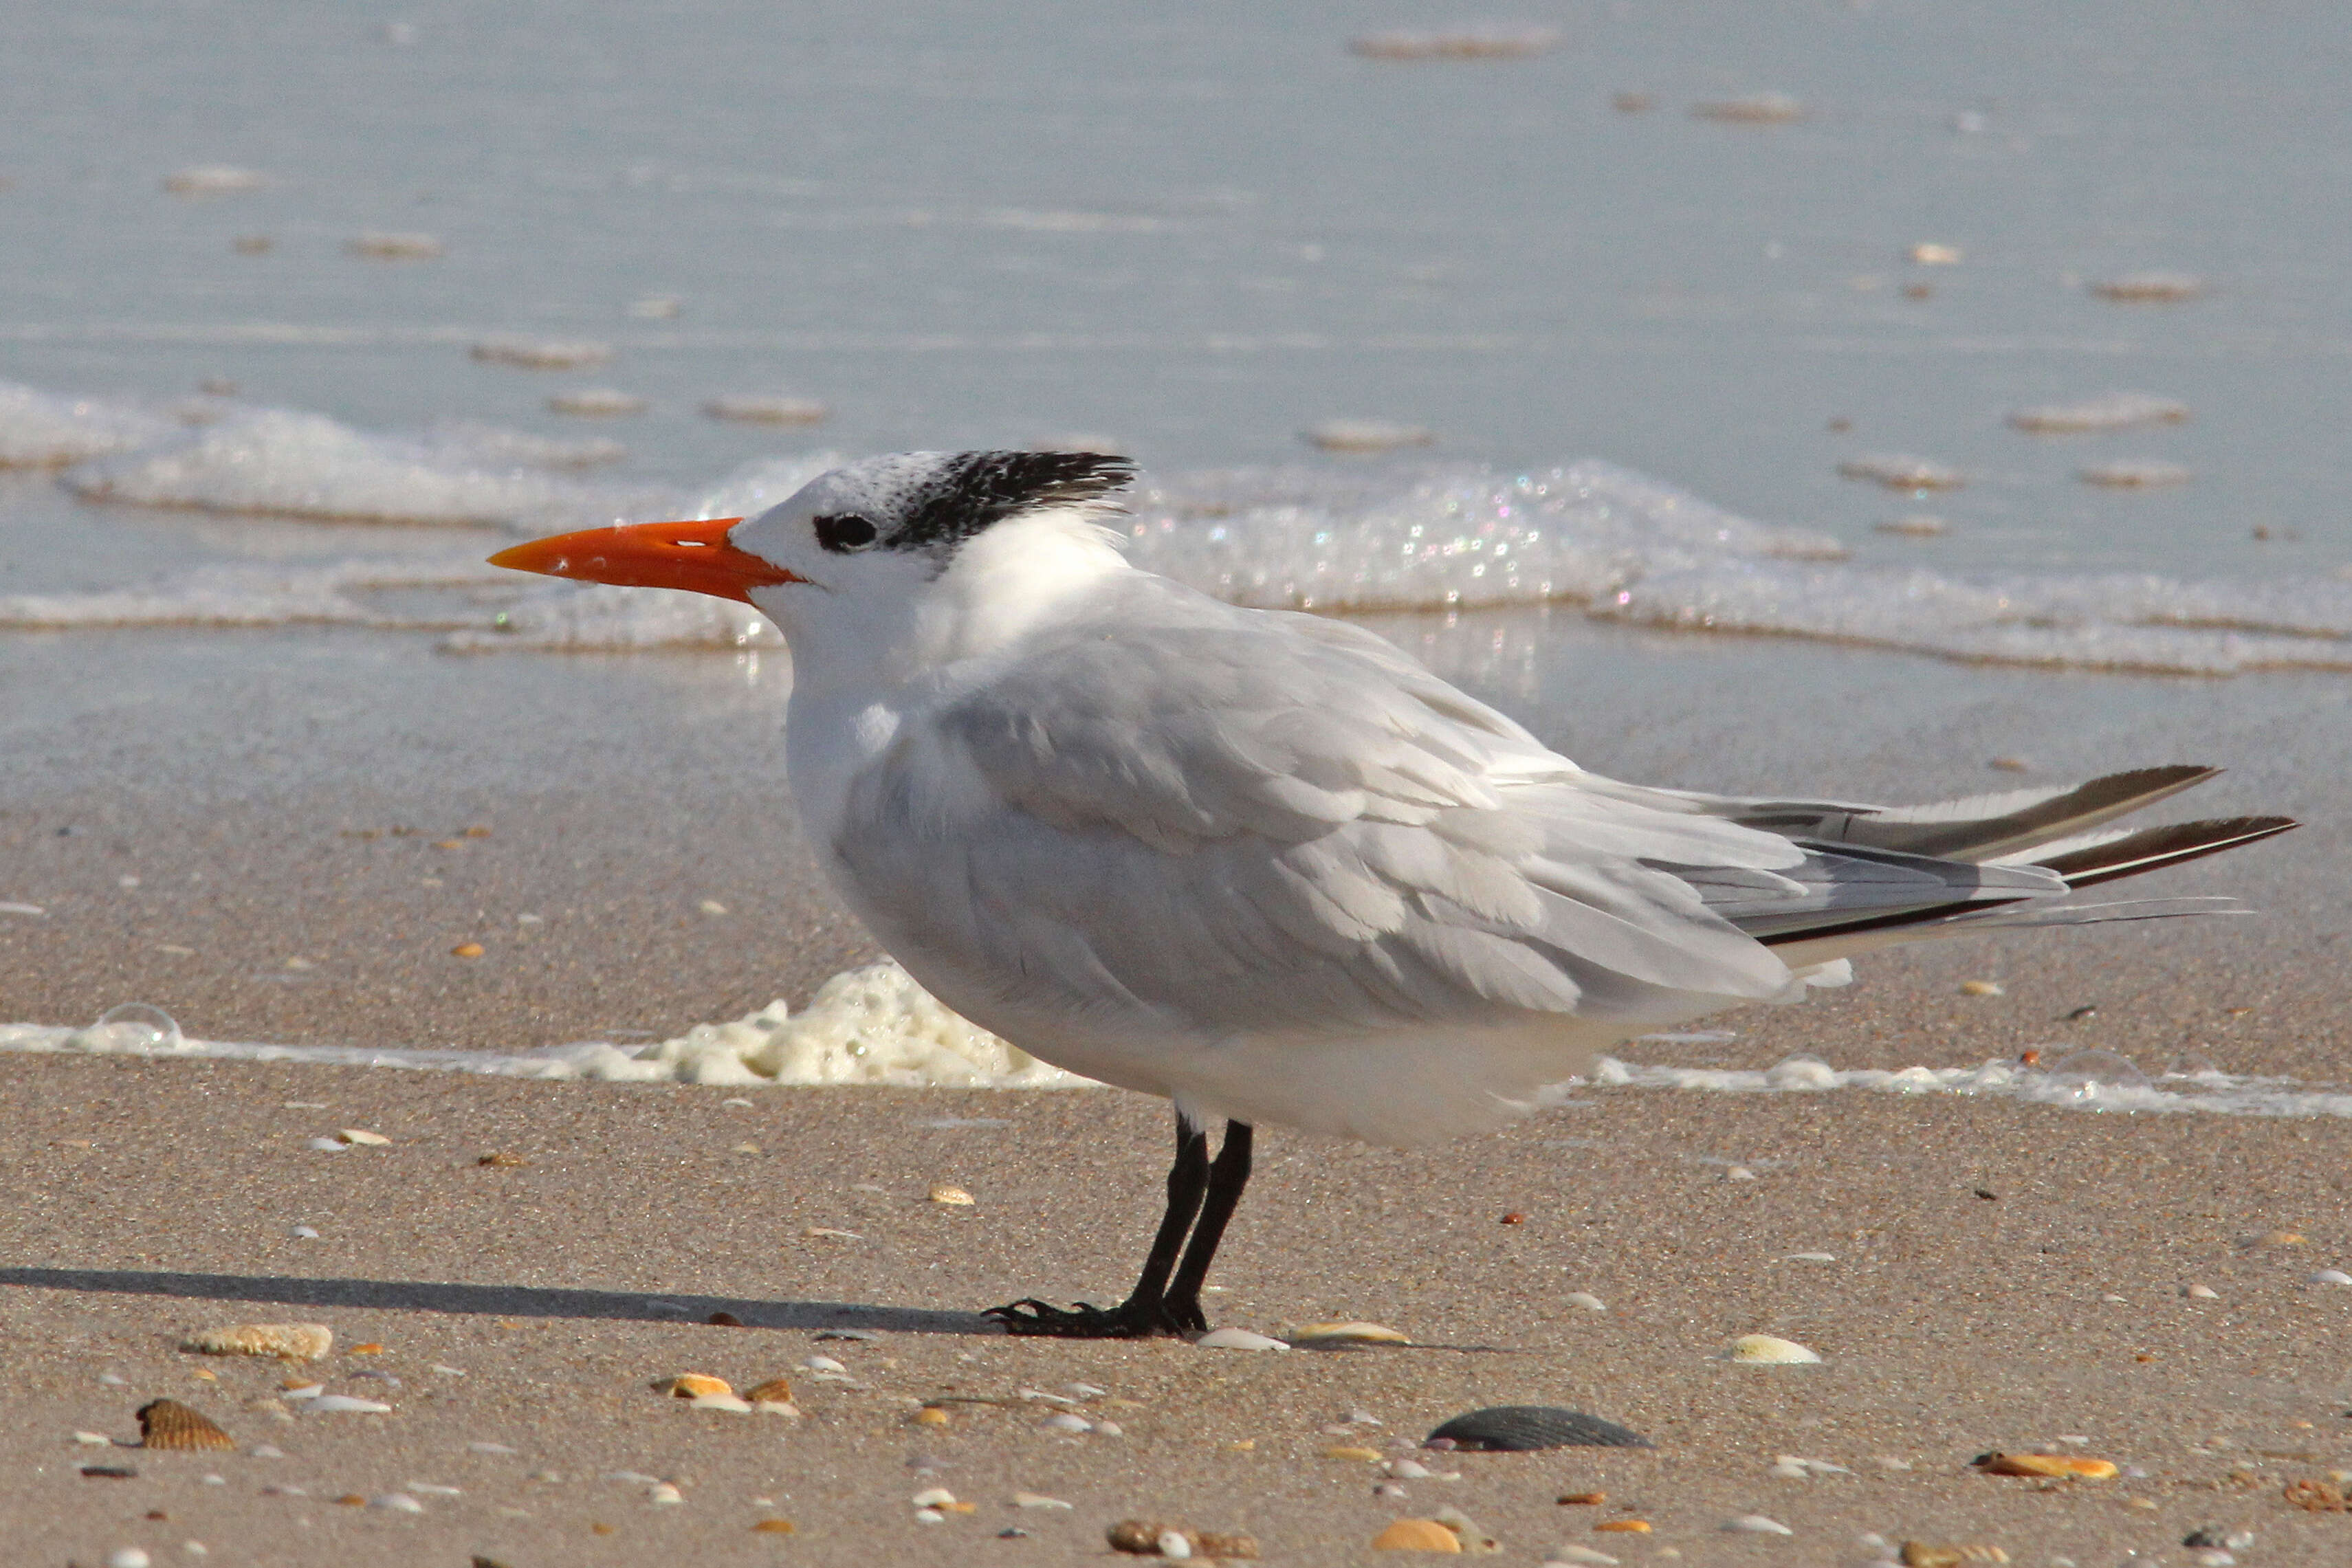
(1644, 342)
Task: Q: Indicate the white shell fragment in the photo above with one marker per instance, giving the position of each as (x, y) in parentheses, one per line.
(2331, 1277)
(363, 1136)
(954, 1196)
(721, 1402)
(935, 1497)
(1573, 1553)
(1348, 1333)
(295, 1342)
(2200, 1292)
(1038, 1500)
(1756, 1524)
(1064, 1421)
(663, 1493)
(326, 1403)
(542, 354)
(1585, 1300)
(1769, 1350)
(213, 179)
(396, 1503)
(1238, 1339)
(1173, 1546)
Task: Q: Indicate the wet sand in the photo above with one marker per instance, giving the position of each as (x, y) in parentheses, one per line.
(156, 1199)
(153, 1201)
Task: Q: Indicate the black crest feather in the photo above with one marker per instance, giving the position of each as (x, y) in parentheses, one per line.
(974, 490)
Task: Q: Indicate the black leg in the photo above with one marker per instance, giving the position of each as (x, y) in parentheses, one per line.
(1143, 1314)
(1226, 1179)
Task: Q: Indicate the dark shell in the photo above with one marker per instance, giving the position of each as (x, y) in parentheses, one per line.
(1514, 1428)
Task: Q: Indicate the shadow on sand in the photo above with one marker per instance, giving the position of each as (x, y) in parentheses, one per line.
(502, 1301)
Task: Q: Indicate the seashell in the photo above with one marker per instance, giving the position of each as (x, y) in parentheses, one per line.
(929, 1415)
(768, 410)
(363, 1136)
(370, 1348)
(954, 1196)
(935, 1497)
(1417, 1536)
(596, 403)
(2331, 1277)
(1463, 43)
(1063, 1421)
(2117, 411)
(1368, 1456)
(330, 1402)
(1308, 1335)
(2133, 476)
(1517, 1429)
(466, 950)
(775, 1390)
(541, 354)
(1237, 1339)
(1757, 109)
(1769, 1350)
(2045, 1464)
(1903, 473)
(1922, 1555)
(1365, 435)
(772, 1527)
(379, 245)
(168, 1424)
(396, 1502)
(721, 1402)
(1474, 1541)
(1585, 1300)
(2200, 1292)
(500, 1161)
(1579, 1554)
(1756, 1524)
(694, 1386)
(1175, 1545)
(2149, 287)
(1583, 1498)
(1981, 988)
(295, 1342)
(1038, 1500)
(663, 1493)
(2313, 1496)
(1623, 1527)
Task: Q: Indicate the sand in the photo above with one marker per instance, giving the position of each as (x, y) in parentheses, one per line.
(153, 1200)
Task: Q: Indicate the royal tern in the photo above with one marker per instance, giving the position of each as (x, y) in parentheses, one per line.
(1265, 865)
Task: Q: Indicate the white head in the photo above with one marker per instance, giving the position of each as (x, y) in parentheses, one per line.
(886, 567)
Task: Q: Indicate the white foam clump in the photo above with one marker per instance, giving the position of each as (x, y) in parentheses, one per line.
(2087, 1081)
(267, 594)
(43, 430)
(873, 1026)
(1436, 536)
(282, 462)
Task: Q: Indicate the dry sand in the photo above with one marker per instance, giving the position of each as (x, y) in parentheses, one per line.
(156, 1199)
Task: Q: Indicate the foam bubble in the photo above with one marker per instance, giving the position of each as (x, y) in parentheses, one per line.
(276, 461)
(42, 430)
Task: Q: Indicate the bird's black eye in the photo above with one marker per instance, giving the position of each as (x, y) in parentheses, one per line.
(844, 533)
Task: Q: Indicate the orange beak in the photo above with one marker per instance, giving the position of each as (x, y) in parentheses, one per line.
(694, 556)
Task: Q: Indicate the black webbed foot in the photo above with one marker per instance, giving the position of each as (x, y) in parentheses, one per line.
(1149, 1319)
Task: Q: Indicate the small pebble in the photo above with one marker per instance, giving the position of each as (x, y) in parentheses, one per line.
(361, 1136)
(466, 950)
(94, 1439)
(127, 1557)
(1981, 988)
(1769, 1350)
(773, 1527)
(1739, 1173)
(1237, 1339)
(955, 1197)
(1174, 1546)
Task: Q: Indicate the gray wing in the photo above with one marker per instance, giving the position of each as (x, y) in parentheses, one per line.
(1230, 822)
